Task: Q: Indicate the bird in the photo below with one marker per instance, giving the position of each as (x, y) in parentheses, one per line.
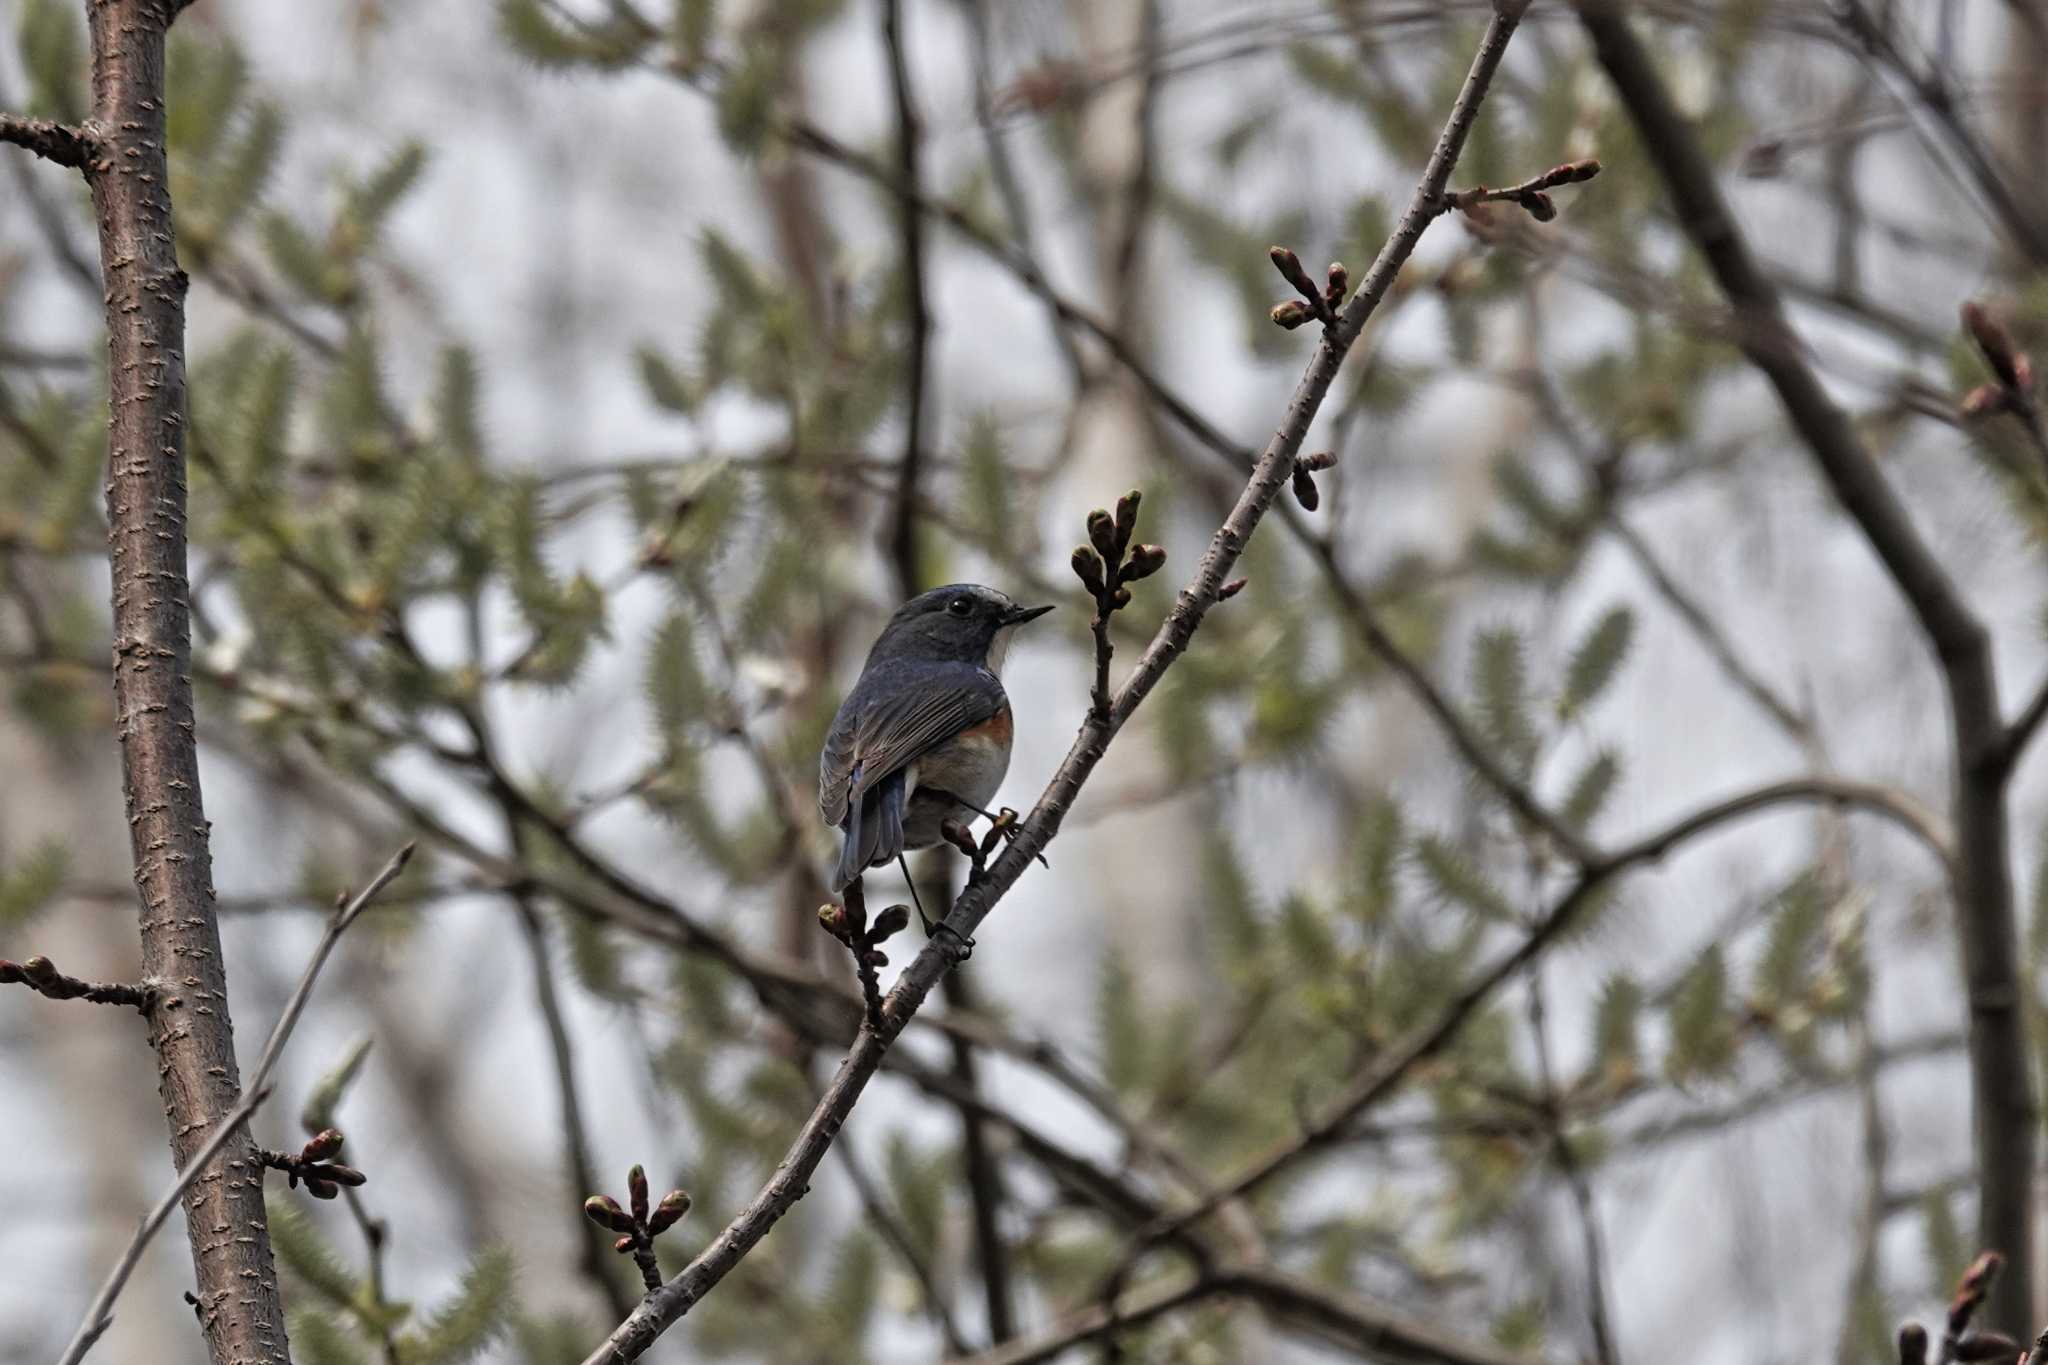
(924, 736)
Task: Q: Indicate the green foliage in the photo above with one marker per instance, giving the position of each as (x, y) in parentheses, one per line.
(988, 487)
(327, 1094)
(479, 1312)
(746, 97)
(544, 37)
(1501, 689)
(1119, 1026)
(1702, 1043)
(1590, 789)
(1948, 1253)
(597, 959)
(667, 386)
(30, 882)
(307, 1254)
(319, 1338)
(1783, 973)
(1617, 1027)
(1381, 838)
(1460, 880)
(1520, 1327)
(53, 54)
(1595, 661)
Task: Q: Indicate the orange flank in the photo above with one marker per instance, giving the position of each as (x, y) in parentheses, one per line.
(995, 730)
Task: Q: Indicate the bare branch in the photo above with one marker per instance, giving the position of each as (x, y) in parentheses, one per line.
(40, 975)
(100, 1315)
(1274, 469)
(1304, 1307)
(50, 140)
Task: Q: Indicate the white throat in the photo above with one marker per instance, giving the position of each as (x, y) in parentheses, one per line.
(999, 649)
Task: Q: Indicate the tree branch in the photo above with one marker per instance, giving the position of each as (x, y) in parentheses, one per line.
(50, 140)
(1303, 1306)
(1272, 472)
(903, 536)
(1388, 1068)
(100, 1315)
(2002, 1088)
(40, 975)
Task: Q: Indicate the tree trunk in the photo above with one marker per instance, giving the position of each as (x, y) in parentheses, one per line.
(239, 1308)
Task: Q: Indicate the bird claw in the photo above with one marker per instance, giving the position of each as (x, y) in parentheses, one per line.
(1006, 827)
(963, 946)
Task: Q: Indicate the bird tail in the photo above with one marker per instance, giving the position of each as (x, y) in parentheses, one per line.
(873, 836)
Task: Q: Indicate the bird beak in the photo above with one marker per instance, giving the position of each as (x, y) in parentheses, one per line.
(1019, 615)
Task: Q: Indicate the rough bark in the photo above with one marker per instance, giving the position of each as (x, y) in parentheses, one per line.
(190, 1028)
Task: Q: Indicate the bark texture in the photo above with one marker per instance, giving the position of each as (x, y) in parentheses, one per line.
(239, 1308)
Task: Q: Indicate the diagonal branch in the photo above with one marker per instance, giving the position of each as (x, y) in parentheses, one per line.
(1309, 1308)
(1390, 1067)
(100, 1315)
(2001, 1084)
(1275, 466)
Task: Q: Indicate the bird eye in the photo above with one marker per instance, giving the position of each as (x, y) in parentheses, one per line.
(960, 606)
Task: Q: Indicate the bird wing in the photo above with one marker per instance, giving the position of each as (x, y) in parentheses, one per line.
(892, 716)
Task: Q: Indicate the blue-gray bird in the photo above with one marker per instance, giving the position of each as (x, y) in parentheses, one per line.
(924, 737)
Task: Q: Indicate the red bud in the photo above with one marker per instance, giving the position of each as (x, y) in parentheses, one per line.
(636, 1187)
(1088, 568)
(1291, 314)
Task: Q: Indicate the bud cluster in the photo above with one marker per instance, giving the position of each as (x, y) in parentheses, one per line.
(1305, 470)
(849, 924)
(1529, 195)
(1320, 303)
(315, 1165)
(1106, 566)
(2011, 389)
(638, 1227)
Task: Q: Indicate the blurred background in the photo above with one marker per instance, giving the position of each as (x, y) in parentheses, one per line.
(554, 366)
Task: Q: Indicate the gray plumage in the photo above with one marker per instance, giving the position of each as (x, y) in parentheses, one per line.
(924, 736)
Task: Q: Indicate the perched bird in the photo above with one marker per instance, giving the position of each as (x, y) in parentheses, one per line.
(924, 737)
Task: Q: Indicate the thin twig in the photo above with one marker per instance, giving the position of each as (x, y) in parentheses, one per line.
(100, 1315)
(903, 536)
(1308, 1308)
(1575, 1178)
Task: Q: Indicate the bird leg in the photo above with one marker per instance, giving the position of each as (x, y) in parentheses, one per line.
(966, 943)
